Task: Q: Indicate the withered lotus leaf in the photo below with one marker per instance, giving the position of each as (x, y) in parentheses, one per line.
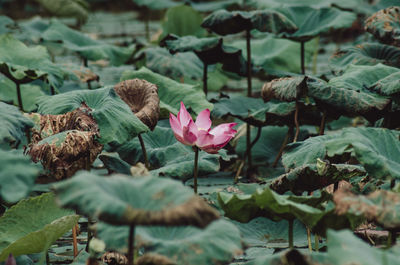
(380, 206)
(122, 200)
(65, 143)
(142, 97)
(385, 25)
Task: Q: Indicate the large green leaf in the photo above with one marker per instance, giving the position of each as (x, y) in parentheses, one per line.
(312, 22)
(179, 66)
(116, 121)
(87, 47)
(156, 4)
(209, 6)
(262, 232)
(171, 93)
(13, 124)
(312, 177)
(254, 111)
(168, 156)
(32, 225)
(6, 24)
(377, 149)
(278, 56)
(224, 22)
(29, 94)
(267, 203)
(142, 201)
(385, 25)
(17, 175)
(380, 207)
(67, 8)
(388, 86)
(210, 51)
(217, 243)
(366, 54)
(24, 64)
(182, 21)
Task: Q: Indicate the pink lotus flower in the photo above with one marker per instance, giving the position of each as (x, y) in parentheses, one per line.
(199, 133)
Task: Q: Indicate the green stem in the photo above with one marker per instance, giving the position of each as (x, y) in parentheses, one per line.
(21, 106)
(322, 125)
(303, 70)
(309, 239)
(205, 72)
(296, 122)
(316, 242)
(196, 167)
(248, 147)
(291, 233)
(146, 161)
(131, 244)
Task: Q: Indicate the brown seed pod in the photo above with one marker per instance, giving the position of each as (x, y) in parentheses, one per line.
(114, 258)
(142, 97)
(64, 143)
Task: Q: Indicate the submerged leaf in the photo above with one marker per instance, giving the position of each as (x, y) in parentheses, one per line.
(141, 201)
(32, 225)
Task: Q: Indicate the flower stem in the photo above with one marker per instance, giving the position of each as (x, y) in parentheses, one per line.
(196, 167)
(205, 72)
(146, 161)
(131, 244)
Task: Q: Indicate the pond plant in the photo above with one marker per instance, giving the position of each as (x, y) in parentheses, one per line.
(116, 164)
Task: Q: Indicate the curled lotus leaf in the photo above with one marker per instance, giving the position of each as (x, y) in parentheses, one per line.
(67, 8)
(65, 143)
(209, 50)
(385, 25)
(285, 89)
(366, 54)
(311, 177)
(122, 200)
(380, 206)
(388, 86)
(142, 97)
(224, 22)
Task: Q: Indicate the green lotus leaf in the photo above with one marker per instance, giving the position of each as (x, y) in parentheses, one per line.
(13, 124)
(17, 175)
(366, 54)
(388, 86)
(182, 20)
(33, 225)
(267, 203)
(385, 25)
(116, 121)
(254, 111)
(217, 243)
(262, 232)
(380, 206)
(85, 46)
(311, 177)
(155, 4)
(67, 8)
(276, 55)
(32, 29)
(171, 93)
(224, 22)
(141, 201)
(29, 94)
(169, 157)
(345, 248)
(179, 66)
(267, 147)
(292, 256)
(209, 50)
(376, 149)
(24, 64)
(6, 24)
(210, 6)
(312, 22)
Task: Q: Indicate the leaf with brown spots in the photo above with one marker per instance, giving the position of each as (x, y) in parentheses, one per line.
(122, 200)
(385, 25)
